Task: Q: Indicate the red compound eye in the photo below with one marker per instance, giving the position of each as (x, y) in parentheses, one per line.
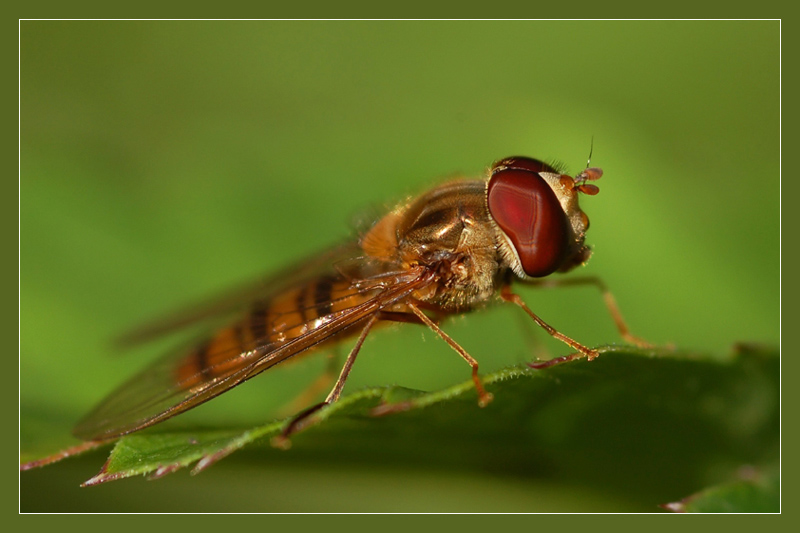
(527, 210)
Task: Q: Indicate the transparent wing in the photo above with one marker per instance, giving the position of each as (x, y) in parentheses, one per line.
(235, 300)
(184, 380)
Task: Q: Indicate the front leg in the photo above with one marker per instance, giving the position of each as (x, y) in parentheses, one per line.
(608, 299)
(583, 351)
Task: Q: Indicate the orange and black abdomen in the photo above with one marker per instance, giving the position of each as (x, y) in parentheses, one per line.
(268, 325)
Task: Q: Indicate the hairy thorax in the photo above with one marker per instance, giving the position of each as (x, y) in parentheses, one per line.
(448, 230)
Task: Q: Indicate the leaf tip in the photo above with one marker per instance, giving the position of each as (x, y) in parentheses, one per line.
(103, 476)
(163, 470)
(210, 459)
(63, 454)
(675, 507)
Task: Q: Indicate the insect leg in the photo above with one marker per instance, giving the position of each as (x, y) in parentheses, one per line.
(483, 397)
(508, 296)
(534, 343)
(301, 421)
(608, 298)
(313, 390)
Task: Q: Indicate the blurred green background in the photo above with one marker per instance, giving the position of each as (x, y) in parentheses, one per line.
(165, 161)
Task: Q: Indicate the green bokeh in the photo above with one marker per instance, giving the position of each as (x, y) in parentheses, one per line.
(165, 161)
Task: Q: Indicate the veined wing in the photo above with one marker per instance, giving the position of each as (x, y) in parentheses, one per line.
(237, 300)
(275, 330)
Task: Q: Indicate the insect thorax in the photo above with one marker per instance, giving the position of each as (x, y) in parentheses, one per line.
(448, 230)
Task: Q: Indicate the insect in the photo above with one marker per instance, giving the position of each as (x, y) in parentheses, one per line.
(450, 250)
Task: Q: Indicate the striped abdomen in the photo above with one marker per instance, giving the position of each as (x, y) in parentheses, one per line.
(269, 325)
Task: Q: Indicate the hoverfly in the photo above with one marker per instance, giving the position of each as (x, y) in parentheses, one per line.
(450, 250)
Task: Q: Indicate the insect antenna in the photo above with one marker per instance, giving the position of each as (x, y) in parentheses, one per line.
(588, 174)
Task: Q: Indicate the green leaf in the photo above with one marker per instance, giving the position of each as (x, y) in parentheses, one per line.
(660, 423)
(165, 162)
(760, 495)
